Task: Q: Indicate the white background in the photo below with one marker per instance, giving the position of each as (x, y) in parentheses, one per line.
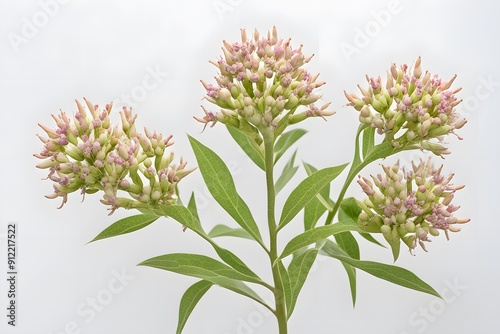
(104, 50)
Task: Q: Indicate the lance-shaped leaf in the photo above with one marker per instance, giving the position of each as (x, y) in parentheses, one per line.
(318, 205)
(287, 285)
(390, 273)
(221, 230)
(351, 275)
(379, 151)
(189, 301)
(127, 225)
(208, 269)
(249, 146)
(288, 172)
(286, 140)
(184, 216)
(368, 140)
(315, 235)
(221, 185)
(306, 191)
(297, 271)
(348, 213)
(192, 207)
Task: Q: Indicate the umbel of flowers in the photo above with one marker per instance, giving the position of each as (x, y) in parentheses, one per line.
(260, 85)
(409, 205)
(87, 153)
(410, 108)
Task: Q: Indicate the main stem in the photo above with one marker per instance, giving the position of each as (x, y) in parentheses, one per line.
(279, 295)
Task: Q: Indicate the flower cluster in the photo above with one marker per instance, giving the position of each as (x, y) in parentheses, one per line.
(411, 108)
(409, 206)
(261, 84)
(90, 154)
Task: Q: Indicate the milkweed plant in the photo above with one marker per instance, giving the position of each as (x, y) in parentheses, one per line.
(262, 89)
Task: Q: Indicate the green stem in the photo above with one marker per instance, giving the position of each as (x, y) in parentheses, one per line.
(352, 173)
(279, 294)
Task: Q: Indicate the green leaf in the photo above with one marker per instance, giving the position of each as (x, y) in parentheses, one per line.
(286, 140)
(324, 195)
(226, 231)
(249, 146)
(134, 175)
(221, 185)
(350, 209)
(351, 275)
(306, 191)
(298, 271)
(313, 212)
(348, 243)
(379, 151)
(193, 208)
(189, 301)
(288, 172)
(395, 243)
(393, 274)
(314, 235)
(356, 161)
(184, 216)
(126, 225)
(368, 140)
(287, 285)
(371, 239)
(208, 269)
(234, 261)
(318, 205)
(349, 212)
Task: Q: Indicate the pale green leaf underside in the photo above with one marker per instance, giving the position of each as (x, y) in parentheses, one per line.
(226, 231)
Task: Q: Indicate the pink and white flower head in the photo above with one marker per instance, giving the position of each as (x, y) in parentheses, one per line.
(410, 206)
(412, 108)
(261, 84)
(87, 153)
